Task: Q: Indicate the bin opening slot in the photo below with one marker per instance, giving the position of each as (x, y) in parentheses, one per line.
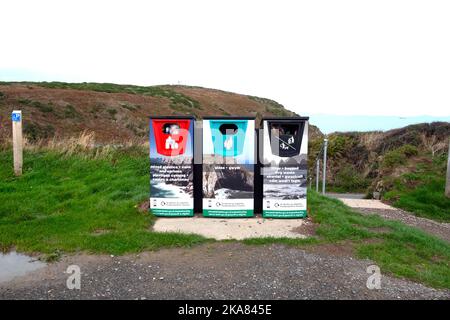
(286, 138)
(284, 129)
(171, 128)
(228, 129)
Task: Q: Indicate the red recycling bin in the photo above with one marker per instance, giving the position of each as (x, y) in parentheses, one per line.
(171, 136)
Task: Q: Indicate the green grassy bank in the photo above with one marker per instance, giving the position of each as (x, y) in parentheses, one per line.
(422, 192)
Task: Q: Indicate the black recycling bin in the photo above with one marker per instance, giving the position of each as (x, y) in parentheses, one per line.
(283, 144)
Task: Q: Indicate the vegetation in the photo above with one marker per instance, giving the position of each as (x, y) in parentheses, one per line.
(43, 107)
(405, 166)
(421, 191)
(35, 132)
(112, 112)
(398, 249)
(399, 156)
(70, 112)
(349, 180)
(69, 202)
(75, 197)
(155, 91)
(129, 106)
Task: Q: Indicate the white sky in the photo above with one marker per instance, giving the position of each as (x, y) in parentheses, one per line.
(333, 57)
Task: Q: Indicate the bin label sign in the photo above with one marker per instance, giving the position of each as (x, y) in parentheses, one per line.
(284, 168)
(15, 116)
(171, 144)
(171, 167)
(228, 167)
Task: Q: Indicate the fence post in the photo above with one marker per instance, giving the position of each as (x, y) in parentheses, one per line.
(317, 174)
(447, 184)
(16, 118)
(324, 173)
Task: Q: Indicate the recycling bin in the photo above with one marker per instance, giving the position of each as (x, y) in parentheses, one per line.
(172, 166)
(228, 175)
(284, 145)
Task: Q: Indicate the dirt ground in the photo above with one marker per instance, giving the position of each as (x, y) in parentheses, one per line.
(224, 270)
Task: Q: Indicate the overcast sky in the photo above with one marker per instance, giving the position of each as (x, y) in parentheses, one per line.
(315, 57)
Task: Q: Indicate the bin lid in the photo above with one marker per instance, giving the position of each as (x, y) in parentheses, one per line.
(188, 117)
(284, 119)
(228, 118)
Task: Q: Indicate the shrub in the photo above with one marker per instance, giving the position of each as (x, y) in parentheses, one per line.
(338, 145)
(130, 107)
(113, 113)
(70, 112)
(393, 158)
(409, 150)
(347, 179)
(35, 132)
(36, 104)
(399, 156)
(154, 91)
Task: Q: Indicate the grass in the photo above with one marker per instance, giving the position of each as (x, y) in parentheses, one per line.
(396, 248)
(422, 192)
(61, 202)
(76, 200)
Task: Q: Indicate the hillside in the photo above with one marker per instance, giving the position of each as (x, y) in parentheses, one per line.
(117, 112)
(405, 166)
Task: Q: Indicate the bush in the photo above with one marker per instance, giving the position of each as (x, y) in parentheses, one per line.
(348, 179)
(38, 105)
(34, 132)
(393, 158)
(70, 112)
(409, 150)
(338, 146)
(112, 113)
(399, 156)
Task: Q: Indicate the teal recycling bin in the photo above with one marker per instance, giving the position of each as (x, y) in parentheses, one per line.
(228, 136)
(228, 166)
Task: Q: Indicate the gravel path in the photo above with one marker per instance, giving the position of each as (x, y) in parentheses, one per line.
(216, 271)
(439, 229)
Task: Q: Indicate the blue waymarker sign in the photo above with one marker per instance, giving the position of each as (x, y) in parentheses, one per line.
(15, 117)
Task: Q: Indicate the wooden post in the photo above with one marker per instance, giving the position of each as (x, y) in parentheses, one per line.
(447, 184)
(16, 118)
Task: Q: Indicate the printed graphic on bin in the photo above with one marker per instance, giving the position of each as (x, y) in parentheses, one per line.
(172, 166)
(284, 167)
(228, 166)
